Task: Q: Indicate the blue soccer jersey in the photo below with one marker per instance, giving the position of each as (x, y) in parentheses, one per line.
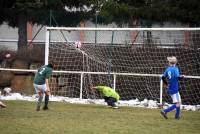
(172, 74)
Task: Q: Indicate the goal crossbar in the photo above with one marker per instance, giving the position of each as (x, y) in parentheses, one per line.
(103, 73)
(121, 29)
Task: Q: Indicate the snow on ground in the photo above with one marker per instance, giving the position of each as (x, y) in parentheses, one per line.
(131, 103)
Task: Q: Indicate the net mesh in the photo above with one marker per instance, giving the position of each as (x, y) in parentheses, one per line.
(141, 52)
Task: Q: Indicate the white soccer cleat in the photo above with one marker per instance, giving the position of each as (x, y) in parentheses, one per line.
(115, 107)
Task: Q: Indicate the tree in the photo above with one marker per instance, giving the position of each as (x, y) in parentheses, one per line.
(127, 11)
(147, 12)
(18, 12)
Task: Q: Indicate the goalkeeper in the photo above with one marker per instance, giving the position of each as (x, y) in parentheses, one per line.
(109, 94)
(41, 85)
(171, 77)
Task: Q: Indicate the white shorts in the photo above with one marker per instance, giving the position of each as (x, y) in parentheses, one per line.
(40, 88)
(176, 98)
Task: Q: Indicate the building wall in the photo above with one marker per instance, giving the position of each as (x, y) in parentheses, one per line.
(9, 35)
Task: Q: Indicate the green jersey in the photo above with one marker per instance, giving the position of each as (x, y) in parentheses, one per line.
(108, 92)
(43, 73)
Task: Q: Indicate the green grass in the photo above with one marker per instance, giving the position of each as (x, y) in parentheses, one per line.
(20, 117)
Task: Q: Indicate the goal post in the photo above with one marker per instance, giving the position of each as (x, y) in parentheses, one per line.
(47, 37)
(131, 60)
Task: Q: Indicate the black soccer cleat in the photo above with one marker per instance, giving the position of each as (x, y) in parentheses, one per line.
(177, 118)
(45, 108)
(164, 114)
(38, 109)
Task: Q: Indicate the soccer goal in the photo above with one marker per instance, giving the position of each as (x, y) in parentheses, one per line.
(131, 60)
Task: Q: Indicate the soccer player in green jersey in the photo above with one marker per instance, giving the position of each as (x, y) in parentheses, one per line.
(109, 94)
(41, 85)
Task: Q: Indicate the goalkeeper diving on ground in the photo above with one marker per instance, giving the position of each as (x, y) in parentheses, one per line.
(109, 94)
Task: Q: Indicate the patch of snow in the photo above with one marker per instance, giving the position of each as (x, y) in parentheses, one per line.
(131, 103)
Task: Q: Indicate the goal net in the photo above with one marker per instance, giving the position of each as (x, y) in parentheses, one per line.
(131, 60)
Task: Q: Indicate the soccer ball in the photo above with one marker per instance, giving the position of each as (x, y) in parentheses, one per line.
(78, 44)
(8, 55)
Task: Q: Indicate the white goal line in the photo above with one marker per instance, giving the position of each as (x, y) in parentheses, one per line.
(83, 72)
(121, 29)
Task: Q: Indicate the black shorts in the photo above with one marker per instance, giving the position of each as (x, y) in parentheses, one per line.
(110, 101)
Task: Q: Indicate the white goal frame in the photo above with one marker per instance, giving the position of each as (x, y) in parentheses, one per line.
(48, 29)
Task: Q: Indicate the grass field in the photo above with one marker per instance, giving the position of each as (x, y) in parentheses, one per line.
(20, 117)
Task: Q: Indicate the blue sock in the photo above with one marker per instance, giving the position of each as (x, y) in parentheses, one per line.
(178, 110)
(170, 108)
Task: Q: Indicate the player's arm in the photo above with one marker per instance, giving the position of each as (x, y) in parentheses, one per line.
(98, 88)
(47, 84)
(93, 88)
(164, 79)
(181, 77)
(48, 74)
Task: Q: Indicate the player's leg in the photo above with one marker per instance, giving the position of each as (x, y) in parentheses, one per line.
(107, 101)
(111, 101)
(46, 100)
(178, 111)
(169, 109)
(172, 107)
(39, 90)
(177, 100)
(39, 100)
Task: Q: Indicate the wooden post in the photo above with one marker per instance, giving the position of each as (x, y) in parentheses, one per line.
(82, 24)
(29, 33)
